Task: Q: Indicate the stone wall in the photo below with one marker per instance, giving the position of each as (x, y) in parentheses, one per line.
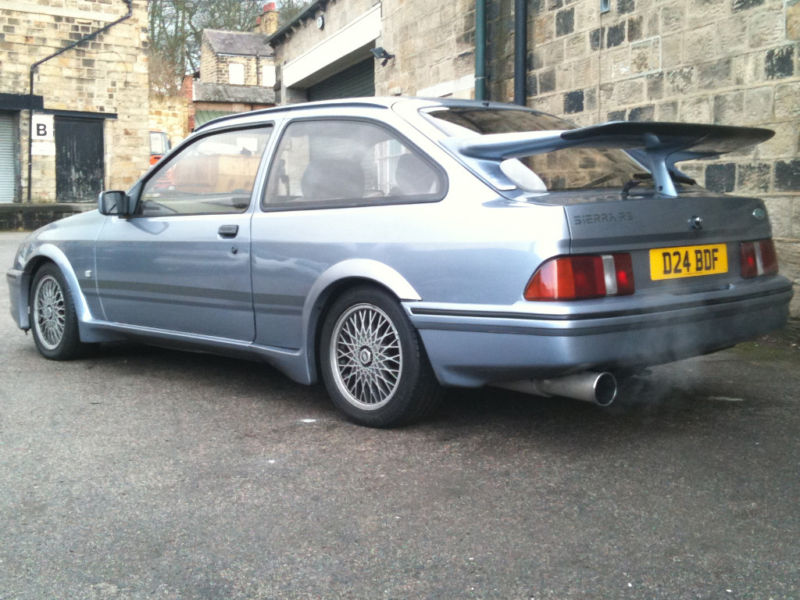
(434, 44)
(107, 74)
(733, 62)
(170, 114)
(28, 217)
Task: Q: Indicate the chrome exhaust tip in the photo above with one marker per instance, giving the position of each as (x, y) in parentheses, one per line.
(598, 388)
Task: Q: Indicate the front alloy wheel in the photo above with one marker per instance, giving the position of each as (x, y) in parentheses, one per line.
(49, 312)
(52, 315)
(372, 361)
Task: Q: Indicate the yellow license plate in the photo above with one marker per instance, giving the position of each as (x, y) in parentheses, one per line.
(688, 261)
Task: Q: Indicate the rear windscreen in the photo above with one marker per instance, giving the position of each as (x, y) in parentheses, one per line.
(567, 169)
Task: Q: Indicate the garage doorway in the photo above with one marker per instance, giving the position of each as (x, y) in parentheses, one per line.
(9, 177)
(79, 158)
(355, 81)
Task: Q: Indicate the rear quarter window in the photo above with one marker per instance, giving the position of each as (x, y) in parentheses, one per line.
(343, 162)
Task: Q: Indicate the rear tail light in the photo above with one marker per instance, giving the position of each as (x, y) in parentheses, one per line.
(758, 258)
(582, 277)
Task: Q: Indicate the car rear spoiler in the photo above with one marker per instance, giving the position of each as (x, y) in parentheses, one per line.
(657, 145)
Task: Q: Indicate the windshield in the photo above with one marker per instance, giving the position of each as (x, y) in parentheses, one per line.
(566, 169)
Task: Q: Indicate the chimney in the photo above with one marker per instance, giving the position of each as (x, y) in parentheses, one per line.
(268, 21)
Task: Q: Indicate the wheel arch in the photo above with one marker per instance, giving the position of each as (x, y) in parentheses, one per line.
(26, 282)
(333, 283)
(49, 253)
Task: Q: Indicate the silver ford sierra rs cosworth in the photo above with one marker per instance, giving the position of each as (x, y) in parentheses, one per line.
(389, 247)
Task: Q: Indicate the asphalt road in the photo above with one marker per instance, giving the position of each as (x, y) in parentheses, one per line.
(146, 473)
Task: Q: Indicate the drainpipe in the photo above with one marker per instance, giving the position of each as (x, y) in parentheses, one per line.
(34, 66)
(520, 51)
(480, 50)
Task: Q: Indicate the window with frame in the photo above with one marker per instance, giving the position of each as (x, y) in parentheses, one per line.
(348, 162)
(215, 174)
(236, 74)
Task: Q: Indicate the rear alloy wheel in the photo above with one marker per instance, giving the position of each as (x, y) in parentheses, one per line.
(373, 363)
(52, 316)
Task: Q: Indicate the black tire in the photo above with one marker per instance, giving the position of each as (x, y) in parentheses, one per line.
(52, 315)
(373, 363)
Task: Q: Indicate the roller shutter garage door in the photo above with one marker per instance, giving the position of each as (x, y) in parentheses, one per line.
(358, 80)
(8, 159)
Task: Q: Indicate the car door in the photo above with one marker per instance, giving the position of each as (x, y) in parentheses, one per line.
(182, 263)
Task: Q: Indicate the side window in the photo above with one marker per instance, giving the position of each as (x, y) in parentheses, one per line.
(215, 174)
(345, 163)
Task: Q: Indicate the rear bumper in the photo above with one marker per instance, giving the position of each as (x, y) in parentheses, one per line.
(478, 346)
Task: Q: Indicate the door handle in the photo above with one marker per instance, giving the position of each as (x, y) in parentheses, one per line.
(228, 231)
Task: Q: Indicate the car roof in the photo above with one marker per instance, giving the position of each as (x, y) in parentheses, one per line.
(365, 102)
(373, 102)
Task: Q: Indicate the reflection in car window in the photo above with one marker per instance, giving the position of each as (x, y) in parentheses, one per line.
(567, 169)
(350, 162)
(213, 175)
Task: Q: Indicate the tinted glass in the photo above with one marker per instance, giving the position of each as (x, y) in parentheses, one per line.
(215, 174)
(567, 169)
(347, 162)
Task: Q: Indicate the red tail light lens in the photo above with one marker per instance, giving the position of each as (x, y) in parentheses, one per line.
(758, 258)
(582, 277)
(623, 267)
(747, 251)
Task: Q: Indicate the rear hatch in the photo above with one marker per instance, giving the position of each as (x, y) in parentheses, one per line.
(620, 188)
(685, 244)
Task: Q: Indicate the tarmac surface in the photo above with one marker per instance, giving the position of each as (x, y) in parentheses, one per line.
(147, 473)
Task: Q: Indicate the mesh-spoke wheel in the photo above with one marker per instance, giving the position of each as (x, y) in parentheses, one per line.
(52, 315)
(49, 312)
(372, 361)
(366, 356)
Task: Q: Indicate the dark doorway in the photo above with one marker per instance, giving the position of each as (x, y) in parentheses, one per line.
(358, 80)
(79, 159)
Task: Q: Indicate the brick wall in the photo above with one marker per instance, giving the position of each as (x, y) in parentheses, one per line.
(105, 75)
(733, 62)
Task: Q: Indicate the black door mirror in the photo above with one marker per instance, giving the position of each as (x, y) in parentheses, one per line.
(115, 202)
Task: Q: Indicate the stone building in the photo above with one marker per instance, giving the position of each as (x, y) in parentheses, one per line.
(237, 73)
(734, 62)
(88, 98)
(326, 51)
